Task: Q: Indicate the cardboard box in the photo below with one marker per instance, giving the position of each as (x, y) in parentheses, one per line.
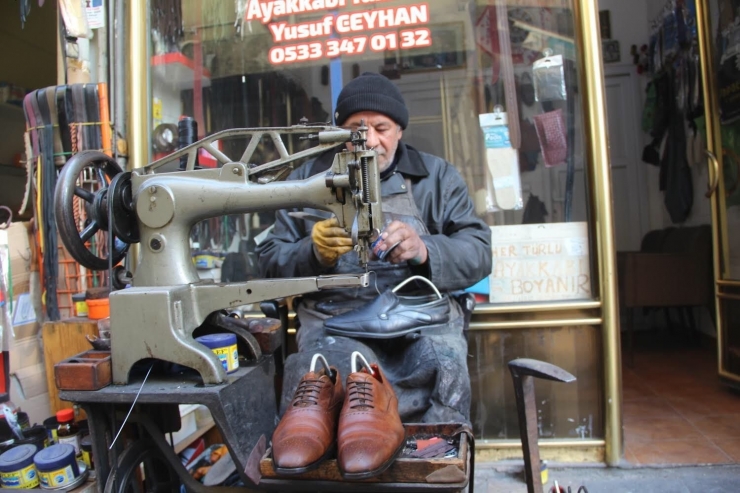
(38, 407)
(24, 353)
(31, 381)
(20, 257)
(25, 322)
(28, 385)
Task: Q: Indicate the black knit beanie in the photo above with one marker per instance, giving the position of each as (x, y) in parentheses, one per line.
(372, 92)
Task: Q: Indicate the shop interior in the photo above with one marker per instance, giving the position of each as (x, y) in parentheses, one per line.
(676, 409)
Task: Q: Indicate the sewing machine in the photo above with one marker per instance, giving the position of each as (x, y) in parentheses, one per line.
(156, 317)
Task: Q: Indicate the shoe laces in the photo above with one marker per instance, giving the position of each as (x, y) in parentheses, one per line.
(307, 393)
(361, 394)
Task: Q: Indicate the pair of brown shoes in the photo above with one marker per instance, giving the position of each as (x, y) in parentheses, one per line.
(362, 422)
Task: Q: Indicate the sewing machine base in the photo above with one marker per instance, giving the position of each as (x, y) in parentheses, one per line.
(243, 409)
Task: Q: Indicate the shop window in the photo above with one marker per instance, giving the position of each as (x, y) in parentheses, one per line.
(498, 98)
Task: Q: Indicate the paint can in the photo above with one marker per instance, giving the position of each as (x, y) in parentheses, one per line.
(80, 304)
(87, 454)
(17, 469)
(51, 424)
(224, 346)
(5, 431)
(36, 436)
(57, 466)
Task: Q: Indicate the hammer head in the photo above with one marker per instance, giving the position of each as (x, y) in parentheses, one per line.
(539, 369)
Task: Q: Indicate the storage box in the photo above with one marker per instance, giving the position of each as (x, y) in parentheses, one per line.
(452, 472)
(90, 370)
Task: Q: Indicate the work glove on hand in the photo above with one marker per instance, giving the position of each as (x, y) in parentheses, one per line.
(330, 241)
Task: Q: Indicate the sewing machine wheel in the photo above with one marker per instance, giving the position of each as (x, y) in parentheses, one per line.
(75, 192)
(142, 468)
(121, 200)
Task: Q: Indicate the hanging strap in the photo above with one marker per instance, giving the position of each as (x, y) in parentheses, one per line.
(507, 73)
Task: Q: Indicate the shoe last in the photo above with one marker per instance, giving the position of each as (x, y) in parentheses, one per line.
(370, 433)
(306, 433)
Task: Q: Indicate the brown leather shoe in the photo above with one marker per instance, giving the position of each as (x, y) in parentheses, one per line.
(306, 433)
(370, 434)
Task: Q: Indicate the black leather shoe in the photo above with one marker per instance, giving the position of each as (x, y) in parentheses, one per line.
(391, 315)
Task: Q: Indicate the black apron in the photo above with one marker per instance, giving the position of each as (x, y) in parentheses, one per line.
(429, 374)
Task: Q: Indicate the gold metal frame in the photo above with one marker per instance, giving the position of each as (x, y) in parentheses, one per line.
(138, 83)
(138, 92)
(714, 146)
(572, 451)
(588, 43)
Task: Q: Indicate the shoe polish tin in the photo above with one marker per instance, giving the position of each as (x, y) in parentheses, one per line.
(57, 466)
(17, 470)
(224, 346)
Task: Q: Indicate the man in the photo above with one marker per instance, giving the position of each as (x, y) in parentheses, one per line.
(429, 214)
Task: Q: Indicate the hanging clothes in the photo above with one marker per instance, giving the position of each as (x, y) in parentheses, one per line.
(675, 172)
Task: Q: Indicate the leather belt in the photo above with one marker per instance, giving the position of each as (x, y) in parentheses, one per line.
(38, 122)
(51, 103)
(31, 123)
(62, 118)
(78, 112)
(92, 114)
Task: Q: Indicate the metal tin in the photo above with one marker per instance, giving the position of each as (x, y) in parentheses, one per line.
(84, 473)
(17, 469)
(51, 424)
(57, 466)
(87, 456)
(224, 346)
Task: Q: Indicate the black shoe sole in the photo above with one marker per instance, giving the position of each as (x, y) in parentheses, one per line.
(375, 472)
(286, 471)
(413, 333)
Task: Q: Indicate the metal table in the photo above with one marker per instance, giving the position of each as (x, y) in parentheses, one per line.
(243, 409)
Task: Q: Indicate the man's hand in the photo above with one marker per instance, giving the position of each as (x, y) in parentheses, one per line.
(330, 241)
(408, 245)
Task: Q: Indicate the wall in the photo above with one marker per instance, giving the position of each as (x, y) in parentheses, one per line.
(29, 61)
(625, 26)
(29, 53)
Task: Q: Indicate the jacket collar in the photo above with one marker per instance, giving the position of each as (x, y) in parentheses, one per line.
(410, 162)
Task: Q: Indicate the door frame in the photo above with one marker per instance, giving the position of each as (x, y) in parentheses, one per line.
(714, 162)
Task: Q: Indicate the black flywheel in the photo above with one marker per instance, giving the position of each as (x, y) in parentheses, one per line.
(77, 192)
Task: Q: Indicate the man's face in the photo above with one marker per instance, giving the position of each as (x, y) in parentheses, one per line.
(383, 135)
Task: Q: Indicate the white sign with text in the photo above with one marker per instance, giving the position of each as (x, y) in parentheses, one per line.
(540, 262)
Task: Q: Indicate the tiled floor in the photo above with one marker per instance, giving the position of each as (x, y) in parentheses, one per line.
(676, 411)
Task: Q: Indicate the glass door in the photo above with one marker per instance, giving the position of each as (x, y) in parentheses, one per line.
(719, 34)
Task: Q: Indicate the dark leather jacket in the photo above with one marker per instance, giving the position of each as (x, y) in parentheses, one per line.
(459, 243)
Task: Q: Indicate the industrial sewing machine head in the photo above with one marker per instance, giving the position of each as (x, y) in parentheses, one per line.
(156, 317)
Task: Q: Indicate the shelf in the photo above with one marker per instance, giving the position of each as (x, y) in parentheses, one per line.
(202, 430)
(177, 70)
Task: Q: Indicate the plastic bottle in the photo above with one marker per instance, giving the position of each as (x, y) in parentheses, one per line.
(68, 432)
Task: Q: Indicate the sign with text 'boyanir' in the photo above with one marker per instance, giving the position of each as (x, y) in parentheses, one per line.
(339, 27)
(540, 262)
